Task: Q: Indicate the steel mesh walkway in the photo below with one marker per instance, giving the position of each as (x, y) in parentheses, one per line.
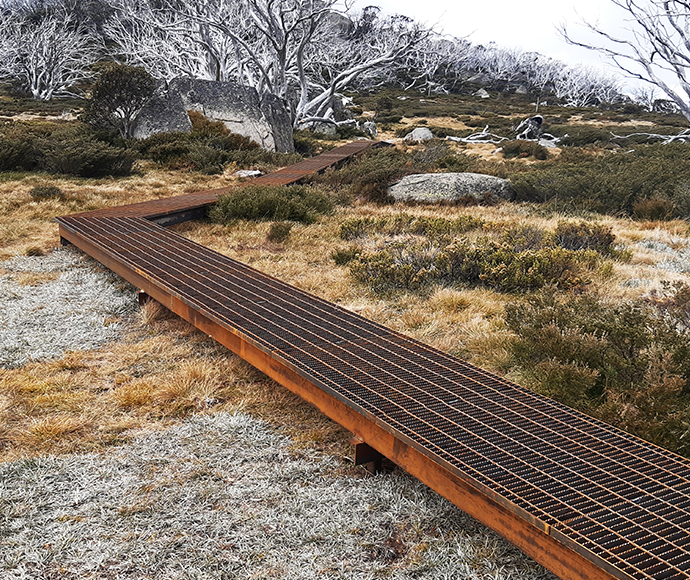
(600, 496)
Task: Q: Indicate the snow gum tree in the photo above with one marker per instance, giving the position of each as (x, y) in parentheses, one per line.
(45, 54)
(653, 48)
(299, 50)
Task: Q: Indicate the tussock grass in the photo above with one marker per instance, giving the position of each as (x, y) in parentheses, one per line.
(26, 223)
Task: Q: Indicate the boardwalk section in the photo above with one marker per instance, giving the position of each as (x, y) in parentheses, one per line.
(583, 498)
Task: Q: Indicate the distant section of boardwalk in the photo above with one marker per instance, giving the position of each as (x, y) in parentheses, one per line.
(583, 498)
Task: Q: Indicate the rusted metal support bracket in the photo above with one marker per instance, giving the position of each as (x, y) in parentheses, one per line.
(367, 456)
(143, 297)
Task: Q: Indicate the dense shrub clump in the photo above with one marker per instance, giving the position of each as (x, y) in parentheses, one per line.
(431, 227)
(400, 265)
(72, 149)
(279, 232)
(498, 265)
(41, 192)
(649, 182)
(272, 203)
(483, 262)
(368, 176)
(626, 363)
(521, 148)
(515, 258)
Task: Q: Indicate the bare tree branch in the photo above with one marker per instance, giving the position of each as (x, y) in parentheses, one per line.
(658, 46)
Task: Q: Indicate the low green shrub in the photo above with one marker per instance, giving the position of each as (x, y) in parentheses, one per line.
(86, 157)
(398, 266)
(351, 132)
(585, 236)
(625, 363)
(165, 148)
(482, 262)
(369, 175)
(18, 153)
(388, 119)
(264, 161)
(523, 237)
(383, 103)
(654, 208)
(72, 149)
(344, 257)
(515, 258)
(271, 203)
(580, 136)
(306, 143)
(431, 227)
(41, 192)
(206, 159)
(497, 265)
(610, 183)
(522, 149)
(279, 232)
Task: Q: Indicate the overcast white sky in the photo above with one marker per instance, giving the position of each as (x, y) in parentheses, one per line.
(530, 24)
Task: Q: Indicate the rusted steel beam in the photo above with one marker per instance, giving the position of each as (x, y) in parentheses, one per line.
(367, 456)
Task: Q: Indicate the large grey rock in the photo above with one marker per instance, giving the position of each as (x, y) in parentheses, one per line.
(419, 134)
(278, 117)
(263, 120)
(240, 109)
(165, 113)
(323, 128)
(449, 187)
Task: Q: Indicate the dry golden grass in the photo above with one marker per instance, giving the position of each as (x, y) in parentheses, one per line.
(27, 224)
(164, 370)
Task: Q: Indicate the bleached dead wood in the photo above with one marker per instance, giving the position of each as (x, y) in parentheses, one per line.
(480, 137)
(682, 137)
(655, 47)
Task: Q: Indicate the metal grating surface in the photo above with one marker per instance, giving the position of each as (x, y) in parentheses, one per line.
(622, 503)
(171, 205)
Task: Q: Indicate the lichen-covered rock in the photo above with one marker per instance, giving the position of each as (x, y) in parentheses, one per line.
(419, 134)
(263, 120)
(449, 187)
(370, 127)
(165, 113)
(323, 128)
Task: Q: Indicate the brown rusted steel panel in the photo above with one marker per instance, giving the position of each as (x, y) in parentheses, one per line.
(583, 498)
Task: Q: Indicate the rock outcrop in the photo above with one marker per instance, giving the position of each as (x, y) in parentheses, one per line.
(165, 113)
(263, 120)
(450, 187)
(419, 134)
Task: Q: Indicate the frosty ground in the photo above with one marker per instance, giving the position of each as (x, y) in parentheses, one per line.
(219, 495)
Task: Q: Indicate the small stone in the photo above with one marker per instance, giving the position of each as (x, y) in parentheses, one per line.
(247, 173)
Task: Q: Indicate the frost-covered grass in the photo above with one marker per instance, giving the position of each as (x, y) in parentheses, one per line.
(674, 260)
(55, 303)
(223, 496)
